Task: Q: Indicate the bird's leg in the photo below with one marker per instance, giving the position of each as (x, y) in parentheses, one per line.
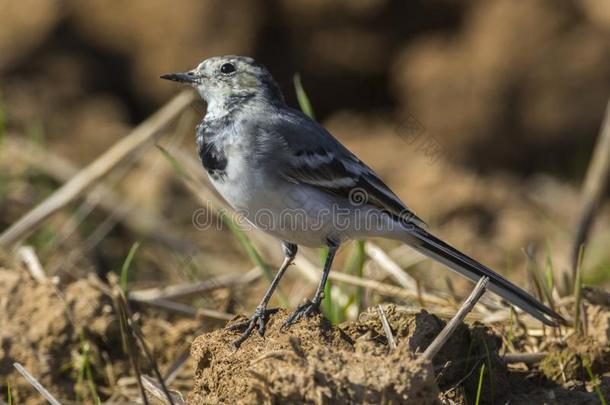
(261, 312)
(312, 306)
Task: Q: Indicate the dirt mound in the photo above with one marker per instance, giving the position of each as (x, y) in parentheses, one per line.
(315, 362)
(39, 329)
(51, 330)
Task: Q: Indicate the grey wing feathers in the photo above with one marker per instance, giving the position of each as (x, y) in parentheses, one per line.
(316, 158)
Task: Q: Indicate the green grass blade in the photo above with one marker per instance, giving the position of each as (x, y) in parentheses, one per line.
(594, 380)
(490, 374)
(578, 289)
(540, 283)
(355, 266)
(178, 168)
(79, 384)
(2, 120)
(550, 279)
(302, 98)
(36, 134)
(252, 253)
(91, 381)
(81, 369)
(356, 259)
(9, 393)
(85, 371)
(480, 386)
(328, 304)
(126, 264)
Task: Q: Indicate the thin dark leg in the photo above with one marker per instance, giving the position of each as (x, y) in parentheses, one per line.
(313, 306)
(319, 295)
(260, 314)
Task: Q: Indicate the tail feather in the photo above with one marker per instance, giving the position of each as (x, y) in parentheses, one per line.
(435, 248)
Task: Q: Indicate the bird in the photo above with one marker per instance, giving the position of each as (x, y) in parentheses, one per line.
(289, 177)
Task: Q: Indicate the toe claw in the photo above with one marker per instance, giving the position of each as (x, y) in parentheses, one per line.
(261, 326)
(258, 320)
(304, 310)
(238, 325)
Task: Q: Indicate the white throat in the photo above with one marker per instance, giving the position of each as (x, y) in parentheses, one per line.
(216, 107)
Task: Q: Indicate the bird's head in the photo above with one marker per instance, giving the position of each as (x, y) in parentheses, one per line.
(224, 79)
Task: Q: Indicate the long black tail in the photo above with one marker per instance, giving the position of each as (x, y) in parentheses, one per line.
(431, 246)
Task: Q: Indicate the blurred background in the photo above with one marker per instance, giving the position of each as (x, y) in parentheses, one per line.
(481, 115)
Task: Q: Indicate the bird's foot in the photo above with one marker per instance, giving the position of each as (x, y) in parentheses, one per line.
(306, 309)
(260, 316)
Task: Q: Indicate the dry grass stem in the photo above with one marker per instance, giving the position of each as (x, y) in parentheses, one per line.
(156, 390)
(377, 286)
(527, 358)
(132, 335)
(141, 135)
(183, 290)
(38, 386)
(177, 366)
(386, 328)
(129, 343)
(140, 220)
(578, 306)
(32, 263)
(151, 360)
(188, 310)
(466, 307)
(596, 181)
(171, 306)
(386, 263)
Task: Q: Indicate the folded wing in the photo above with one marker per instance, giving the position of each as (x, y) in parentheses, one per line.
(317, 159)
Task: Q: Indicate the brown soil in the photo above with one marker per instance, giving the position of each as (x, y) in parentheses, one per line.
(313, 363)
(38, 333)
(567, 360)
(317, 363)
(44, 327)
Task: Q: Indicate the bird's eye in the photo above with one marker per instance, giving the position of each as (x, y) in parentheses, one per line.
(227, 68)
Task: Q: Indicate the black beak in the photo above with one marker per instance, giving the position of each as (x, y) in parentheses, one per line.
(187, 77)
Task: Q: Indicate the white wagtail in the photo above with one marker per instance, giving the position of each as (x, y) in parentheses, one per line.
(291, 178)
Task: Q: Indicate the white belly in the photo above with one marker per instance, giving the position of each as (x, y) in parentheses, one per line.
(297, 213)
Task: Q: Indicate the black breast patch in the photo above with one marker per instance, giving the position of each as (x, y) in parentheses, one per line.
(213, 160)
